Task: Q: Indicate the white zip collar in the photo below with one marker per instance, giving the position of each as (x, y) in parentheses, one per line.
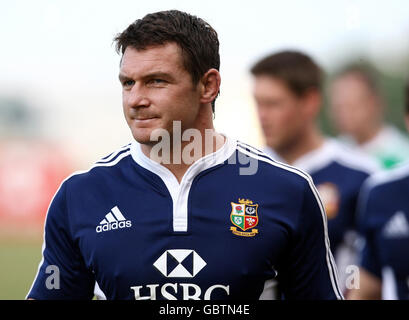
(180, 192)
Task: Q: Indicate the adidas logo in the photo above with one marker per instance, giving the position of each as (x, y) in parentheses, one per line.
(113, 220)
(397, 226)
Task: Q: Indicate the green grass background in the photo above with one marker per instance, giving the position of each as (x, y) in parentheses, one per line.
(19, 260)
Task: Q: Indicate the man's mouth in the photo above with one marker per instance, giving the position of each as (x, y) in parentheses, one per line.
(144, 120)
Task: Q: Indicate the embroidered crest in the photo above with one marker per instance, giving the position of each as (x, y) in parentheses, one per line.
(330, 197)
(244, 216)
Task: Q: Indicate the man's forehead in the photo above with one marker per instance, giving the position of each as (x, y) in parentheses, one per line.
(159, 56)
(267, 82)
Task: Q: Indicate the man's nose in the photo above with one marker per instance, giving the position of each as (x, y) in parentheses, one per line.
(138, 97)
(262, 114)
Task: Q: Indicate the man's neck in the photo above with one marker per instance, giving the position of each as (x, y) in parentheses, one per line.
(306, 143)
(369, 134)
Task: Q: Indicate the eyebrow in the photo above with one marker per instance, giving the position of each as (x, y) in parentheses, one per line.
(156, 74)
(123, 77)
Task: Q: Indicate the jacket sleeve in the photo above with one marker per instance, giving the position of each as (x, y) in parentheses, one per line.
(62, 273)
(310, 272)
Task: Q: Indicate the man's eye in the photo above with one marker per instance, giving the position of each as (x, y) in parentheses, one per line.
(157, 81)
(128, 83)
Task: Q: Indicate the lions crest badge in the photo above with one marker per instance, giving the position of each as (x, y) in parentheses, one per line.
(244, 216)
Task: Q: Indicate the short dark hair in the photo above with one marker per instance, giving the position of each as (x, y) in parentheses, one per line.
(197, 39)
(365, 72)
(298, 71)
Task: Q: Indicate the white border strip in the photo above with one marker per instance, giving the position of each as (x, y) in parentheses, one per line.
(114, 154)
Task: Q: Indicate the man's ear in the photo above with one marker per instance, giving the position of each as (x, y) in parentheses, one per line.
(210, 86)
(312, 101)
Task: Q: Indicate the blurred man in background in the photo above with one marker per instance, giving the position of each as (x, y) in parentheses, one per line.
(358, 113)
(384, 226)
(287, 91)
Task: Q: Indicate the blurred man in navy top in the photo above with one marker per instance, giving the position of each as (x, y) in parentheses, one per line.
(288, 94)
(384, 227)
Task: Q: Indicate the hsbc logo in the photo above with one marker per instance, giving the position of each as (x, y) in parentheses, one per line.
(179, 263)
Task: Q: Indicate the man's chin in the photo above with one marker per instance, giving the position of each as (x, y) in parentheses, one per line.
(144, 140)
(151, 135)
(143, 136)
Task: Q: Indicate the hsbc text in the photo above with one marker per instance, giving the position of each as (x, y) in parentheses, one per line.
(176, 291)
